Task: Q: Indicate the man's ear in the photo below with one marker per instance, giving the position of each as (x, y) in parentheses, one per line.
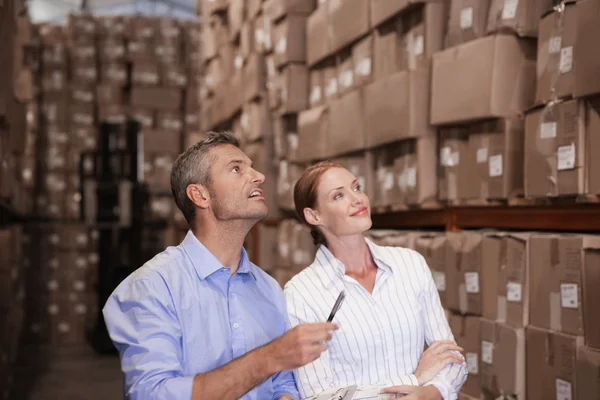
(199, 195)
(312, 216)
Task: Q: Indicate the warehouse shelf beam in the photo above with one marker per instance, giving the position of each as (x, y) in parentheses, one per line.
(573, 218)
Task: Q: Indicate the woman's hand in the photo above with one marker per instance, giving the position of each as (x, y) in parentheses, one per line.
(435, 358)
(413, 392)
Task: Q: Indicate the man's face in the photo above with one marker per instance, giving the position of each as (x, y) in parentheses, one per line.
(235, 188)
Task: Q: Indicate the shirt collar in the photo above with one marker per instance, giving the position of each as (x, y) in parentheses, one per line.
(330, 268)
(205, 263)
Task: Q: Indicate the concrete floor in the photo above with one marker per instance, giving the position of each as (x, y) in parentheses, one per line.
(67, 373)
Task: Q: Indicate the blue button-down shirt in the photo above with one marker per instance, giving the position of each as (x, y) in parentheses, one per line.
(182, 314)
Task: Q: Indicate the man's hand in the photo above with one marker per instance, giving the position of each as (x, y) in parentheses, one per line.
(414, 392)
(300, 345)
(435, 358)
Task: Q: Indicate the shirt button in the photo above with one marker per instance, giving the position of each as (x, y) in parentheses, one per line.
(236, 325)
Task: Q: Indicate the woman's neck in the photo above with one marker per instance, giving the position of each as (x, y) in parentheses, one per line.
(353, 252)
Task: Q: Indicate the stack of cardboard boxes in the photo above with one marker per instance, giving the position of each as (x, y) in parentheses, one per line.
(522, 307)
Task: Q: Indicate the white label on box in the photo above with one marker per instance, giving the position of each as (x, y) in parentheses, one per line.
(52, 285)
(445, 156)
(315, 94)
(81, 239)
(284, 250)
(259, 36)
(466, 18)
(283, 169)
(293, 140)
(472, 363)
(402, 181)
(411, 177)
(566, 157)
(569, 295)
(80, 309)
(566, 60)
(472, 282)
(80, 262)
(79, 286)
(554, 45)
(281, 45)
(495, 165)
(440, 280)
(514, 292)
(239, 63)
(297, 257)
(331, 88)
(388, 181)
(510, 9)
(487, 352)
(563, 390)
(53, 309)
(63, 327)
(482, 155)
(346, 79)
(363, 68)
(454, 159)
(419, 45)
(548, 130)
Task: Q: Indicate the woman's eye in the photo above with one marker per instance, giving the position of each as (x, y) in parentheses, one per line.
(358, 188)
(337, 196)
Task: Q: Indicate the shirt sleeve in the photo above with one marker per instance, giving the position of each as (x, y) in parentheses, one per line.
(315, 377)
(143, 325)
(284, 382)
(449, 380)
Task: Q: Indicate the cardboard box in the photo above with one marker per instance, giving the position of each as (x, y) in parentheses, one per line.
(284, 236)
(502, 360)
(551, 364)
(513, 302)
(453, 173)
(591, 294)
(157, 97)
(170, 122)
(267, 248)
(467, 335)
(468, 20)
(385, 175)
(340, 12)
(316, 95)
(254, 77)
(145, 74)
(345, 73)
(293, 89)
(588, 60)
(288, 175)
(496, 156)
(557, 37)
(255, 121)
(520, 17)
(499, 72)
(263, 42)
(278, 9)
(388, 49)
(157, 171)
(347, 123)
(592, 121)
(416, 171)
(213, 6)
(588, 371)
(423, 30)
(396, 107)
(313, 134)
(331, 84)
(235, 14)
(289, 37)
(494, 280)
(146, 117)
(383, 10)
(556, 268)
(114, 74)
(433, 248)
(471, 275)
(358, 165)
(110, 94)
(555, 150)
(318, 36)
(362, 59)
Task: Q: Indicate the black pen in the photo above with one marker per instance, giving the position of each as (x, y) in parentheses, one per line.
(337, 305)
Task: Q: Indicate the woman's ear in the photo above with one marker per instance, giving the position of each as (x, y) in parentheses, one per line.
(312, 216)
(199, 195)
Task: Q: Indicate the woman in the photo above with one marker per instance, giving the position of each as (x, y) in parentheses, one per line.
(391, 309)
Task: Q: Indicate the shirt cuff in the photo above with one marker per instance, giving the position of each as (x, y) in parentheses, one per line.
(407, 380)
(446, 392)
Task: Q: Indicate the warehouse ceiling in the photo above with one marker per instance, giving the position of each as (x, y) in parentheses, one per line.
(57, 10)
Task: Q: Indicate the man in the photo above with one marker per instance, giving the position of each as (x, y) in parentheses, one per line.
(200, 321)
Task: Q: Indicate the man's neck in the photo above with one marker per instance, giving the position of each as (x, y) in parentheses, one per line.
(224, 239)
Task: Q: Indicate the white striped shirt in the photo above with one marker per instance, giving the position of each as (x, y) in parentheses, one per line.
(382, 335)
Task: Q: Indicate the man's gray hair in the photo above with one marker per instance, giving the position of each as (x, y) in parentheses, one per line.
(193, 167)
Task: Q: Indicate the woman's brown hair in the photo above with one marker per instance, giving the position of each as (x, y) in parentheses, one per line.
(305, 194)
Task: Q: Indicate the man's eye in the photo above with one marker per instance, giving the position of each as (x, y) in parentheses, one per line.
(236, 169)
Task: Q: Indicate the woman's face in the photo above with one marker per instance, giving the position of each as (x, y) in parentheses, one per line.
(342, 207)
